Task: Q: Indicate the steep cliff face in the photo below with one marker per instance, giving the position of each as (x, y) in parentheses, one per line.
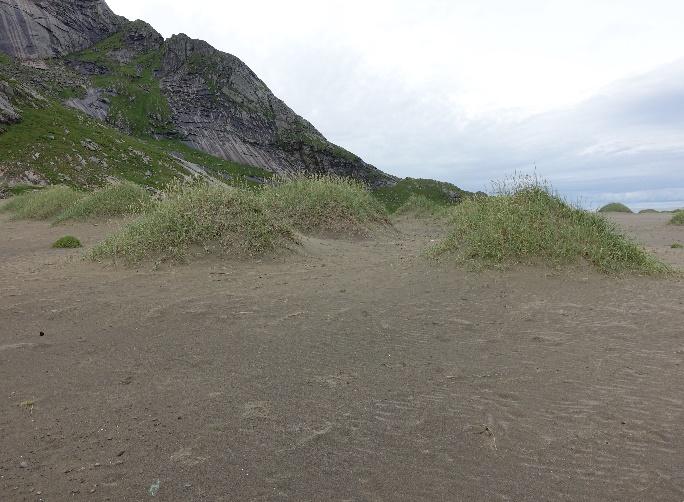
(220, 106)
(51, 28)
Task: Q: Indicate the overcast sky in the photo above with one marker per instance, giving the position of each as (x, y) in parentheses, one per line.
(590, 91)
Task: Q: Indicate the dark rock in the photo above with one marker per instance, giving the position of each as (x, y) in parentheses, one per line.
(8, 114)
(37, 29)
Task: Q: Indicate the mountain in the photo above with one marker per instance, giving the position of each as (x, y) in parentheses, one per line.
(46, 29)
(86, 95)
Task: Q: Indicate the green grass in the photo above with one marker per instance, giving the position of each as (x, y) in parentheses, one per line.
(528, 223)
(393, 197)
(20, 188)
(325, 203)
(678, 218)
(615, 207)
(42, 204)
(209, 217)
(66, 159)
(67, 242)
(419, 206)
(677, 245)
(111, 201)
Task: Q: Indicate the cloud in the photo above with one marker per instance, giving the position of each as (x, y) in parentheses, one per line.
(472, 91)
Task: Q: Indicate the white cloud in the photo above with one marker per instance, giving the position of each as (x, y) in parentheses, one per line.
(467, 91)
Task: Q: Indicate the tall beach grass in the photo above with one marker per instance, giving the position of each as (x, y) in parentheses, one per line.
(525, 221)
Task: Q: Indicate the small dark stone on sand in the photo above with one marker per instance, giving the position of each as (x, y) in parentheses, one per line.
(42, 334)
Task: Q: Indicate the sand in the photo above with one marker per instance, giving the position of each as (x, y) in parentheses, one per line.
(345, 371)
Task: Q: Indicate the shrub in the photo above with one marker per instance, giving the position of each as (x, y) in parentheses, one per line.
(42, 204)
(67, 242)
(528, 222)
(420, 206)
(615, 207)
(210, 216)
(326, 203)
(678, 218)
(114, 200)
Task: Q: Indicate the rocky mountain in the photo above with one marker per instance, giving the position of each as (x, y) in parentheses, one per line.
(180, 100)
(51, 28)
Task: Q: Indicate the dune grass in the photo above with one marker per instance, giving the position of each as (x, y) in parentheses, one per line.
(110, 201)
(326, 203)
(615, 207)
(67, 242)
(42, 204)
(678, 218)
(677, 245)
(648, 211)
(199, 215)
(527, 222)
(419, 206)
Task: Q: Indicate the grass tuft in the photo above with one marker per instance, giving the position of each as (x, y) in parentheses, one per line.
(326, 203)
(527, 221)
(111, 201)
(67, 242)
(677, 245)
(42, 204)
(678, 218)
(615, 207)
(211, 217)
(420, 206)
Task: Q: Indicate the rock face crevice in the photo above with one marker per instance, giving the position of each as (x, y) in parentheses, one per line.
(52, 28)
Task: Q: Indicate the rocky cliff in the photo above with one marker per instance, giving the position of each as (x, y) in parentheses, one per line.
(126, 74)
(51, 28)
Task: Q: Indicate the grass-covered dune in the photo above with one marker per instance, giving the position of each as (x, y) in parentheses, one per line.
(529, 223)
(615, 207)
(61, 203)
(678, 218)
(111, 201)
(42, 204)
(420, 206)
(439, 192)
(325, 203)
(202, 216)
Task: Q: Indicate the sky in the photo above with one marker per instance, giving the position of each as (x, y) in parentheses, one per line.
(590, 94)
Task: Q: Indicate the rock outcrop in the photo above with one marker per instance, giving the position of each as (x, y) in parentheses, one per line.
(52, 28)
(220, 106)
(8, 114)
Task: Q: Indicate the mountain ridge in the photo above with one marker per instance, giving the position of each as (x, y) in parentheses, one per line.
(128, 76)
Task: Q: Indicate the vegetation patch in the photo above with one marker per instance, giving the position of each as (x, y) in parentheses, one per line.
(527, 222)
(67, 242)
(647, 211)
(326, 203)
(420, 206)
(677, 245)
(211, 217)
(393, 197)
(615, 207)
(42, 204)
(678, 218)
(114, 200)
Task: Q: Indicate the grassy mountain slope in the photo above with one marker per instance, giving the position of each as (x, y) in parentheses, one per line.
(54, 143)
